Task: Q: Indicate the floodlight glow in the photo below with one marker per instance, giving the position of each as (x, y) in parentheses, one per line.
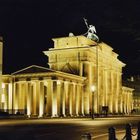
(3, 85)
(2, 98)
(58, 82)
(93, 88)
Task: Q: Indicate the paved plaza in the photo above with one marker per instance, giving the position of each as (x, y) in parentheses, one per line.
(63, 129)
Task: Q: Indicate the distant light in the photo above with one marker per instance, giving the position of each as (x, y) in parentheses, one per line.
(132, 79)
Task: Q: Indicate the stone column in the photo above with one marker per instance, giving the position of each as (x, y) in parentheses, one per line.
(82, 101)
(110, 83)
(131, 101)
(121, 103)
(99, 101)
(28, 92)
(45, 103)
(73, 100)
(90, 79)
(66, 98)
(101, 89)
(77, 100)
(111, 91)
(96, 93)
(81, 105)
(106, 88)
(81, 69)
(70, 99)
(120, 100)
(4, 97)
(117, 91)
(10, 98)
(15, 100)
(49, 97)
(125, 102)
(37, 94)
(33, 98)
(59, 104)
(54, 100)
(41, 99)
(24, 96)
(86, 90)
(63, 100)
(21, 97)
(114, 90)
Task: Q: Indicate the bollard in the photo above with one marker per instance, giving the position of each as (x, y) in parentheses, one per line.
(128, 134)
(138, 132)
(86, 136)
(112, 134)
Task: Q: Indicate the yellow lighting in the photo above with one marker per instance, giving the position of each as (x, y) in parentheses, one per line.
(46, 84)
(54, 109)
(54, 113)
(2, 98)
(10, 96)
(41, 108)
(28, 110)
(97, 82)
(93, 88)
(58, 82)
(3, 85)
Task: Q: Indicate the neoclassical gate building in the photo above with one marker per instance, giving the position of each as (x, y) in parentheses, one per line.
(84, 76)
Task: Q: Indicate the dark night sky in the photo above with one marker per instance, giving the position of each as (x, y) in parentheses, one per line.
(27, 27)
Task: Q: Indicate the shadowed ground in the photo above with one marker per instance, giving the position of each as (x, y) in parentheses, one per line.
(62, 129)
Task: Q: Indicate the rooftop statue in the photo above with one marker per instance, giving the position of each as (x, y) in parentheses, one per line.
(91, 32)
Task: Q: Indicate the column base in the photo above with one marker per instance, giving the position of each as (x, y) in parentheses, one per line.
(40, 116)
(62, 115)
(54, 116)
(29, 116)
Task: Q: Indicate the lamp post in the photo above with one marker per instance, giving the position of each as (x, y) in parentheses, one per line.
(93, 88)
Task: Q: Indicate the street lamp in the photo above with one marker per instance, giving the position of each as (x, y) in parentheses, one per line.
(93, 88)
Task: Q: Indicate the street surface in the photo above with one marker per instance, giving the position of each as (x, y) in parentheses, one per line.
(63, 129)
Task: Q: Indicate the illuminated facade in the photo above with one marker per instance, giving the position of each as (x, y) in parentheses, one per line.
(39, 91)
(76, 65)
(134, 82)
(127, 100)
(136, 104)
